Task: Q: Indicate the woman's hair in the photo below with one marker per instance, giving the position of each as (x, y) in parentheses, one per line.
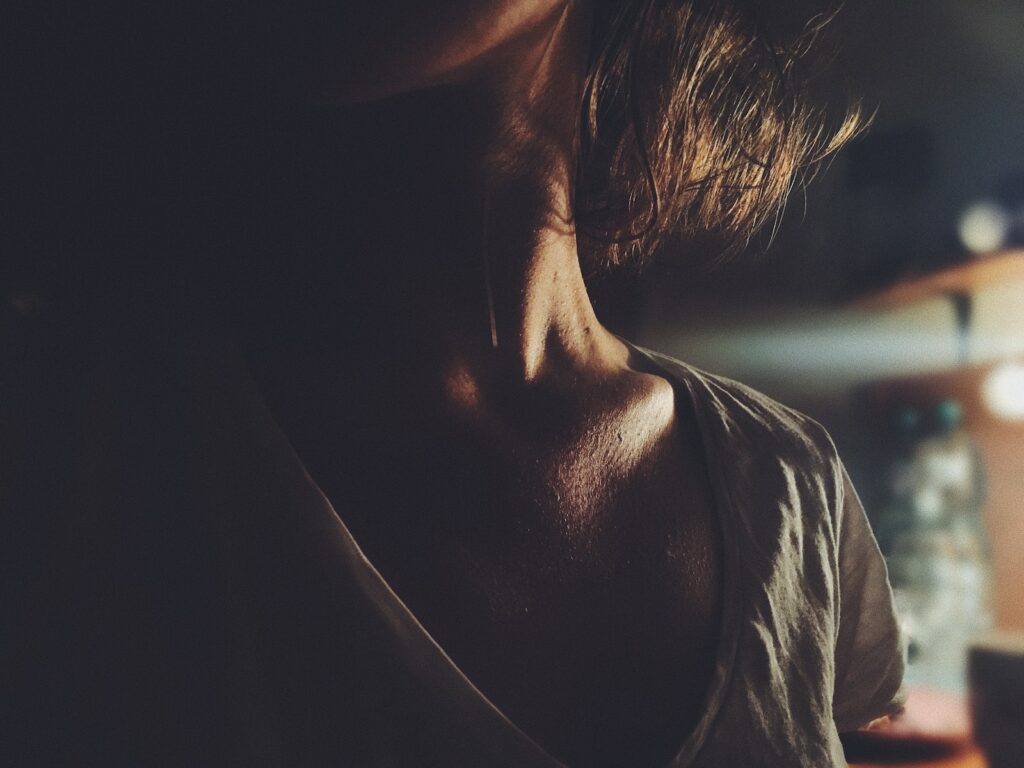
(695, 121)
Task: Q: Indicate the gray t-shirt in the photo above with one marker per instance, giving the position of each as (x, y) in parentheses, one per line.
(810, 644)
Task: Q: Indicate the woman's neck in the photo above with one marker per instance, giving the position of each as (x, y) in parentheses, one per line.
(453, 254)
(467, 191)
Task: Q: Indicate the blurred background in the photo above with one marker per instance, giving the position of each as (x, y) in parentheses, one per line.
(890, 307)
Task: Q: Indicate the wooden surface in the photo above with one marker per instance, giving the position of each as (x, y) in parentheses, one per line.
(938, 722)
(963, 278)
(972, 758)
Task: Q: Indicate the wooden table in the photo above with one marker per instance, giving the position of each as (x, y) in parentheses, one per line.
(935, 714)
(971, 758)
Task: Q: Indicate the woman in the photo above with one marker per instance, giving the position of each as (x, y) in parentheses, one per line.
(495, 534)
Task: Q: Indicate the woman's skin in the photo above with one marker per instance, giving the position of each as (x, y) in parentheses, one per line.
(538, 500)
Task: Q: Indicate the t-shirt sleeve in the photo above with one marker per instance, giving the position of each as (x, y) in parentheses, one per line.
(869, 652)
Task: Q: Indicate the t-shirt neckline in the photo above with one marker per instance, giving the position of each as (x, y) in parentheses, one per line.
(379, 590)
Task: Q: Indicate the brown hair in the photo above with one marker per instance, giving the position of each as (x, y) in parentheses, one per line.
(694, 121)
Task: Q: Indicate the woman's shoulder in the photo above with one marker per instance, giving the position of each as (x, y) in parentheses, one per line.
(792, 526)
(746, 417)
(776, 467)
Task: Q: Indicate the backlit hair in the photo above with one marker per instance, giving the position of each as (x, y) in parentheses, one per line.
(694, 122)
